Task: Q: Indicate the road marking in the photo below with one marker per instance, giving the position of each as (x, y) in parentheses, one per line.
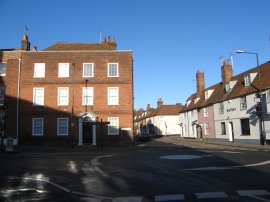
(207, 195)
(128, 199)
(254, 194)
(176, 197)
(95, 161)
(230, 167)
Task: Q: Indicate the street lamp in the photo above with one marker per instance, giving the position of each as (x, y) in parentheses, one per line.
(259, 104)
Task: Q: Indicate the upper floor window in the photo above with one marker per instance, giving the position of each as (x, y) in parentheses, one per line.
(37, 126)
(113, 96)
(247, 80)
(3, 68)
(227, 87)
(39, 70)
(88, 69)
(63, 97)
(243, 103)
(63, 70)
(113, 127)
(88, 96)
(113, 70)
(2, 95)
(221, 108)
(205, 112)
(38, 96)
(268, 95)
(206, 95)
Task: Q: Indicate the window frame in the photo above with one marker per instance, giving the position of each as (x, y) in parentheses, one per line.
(3, 69)
(35, 103)
(205, 112)
(84, 91)
(117, 69)
(228, 87)
(109, 96)
(63, 73)
(92, 70)
(247, 80)
(221, 108)
(39, 70)
(117, 126)
(245, 131)
(33, 127)
(243, 103)
(58, 96)
(58, 126)
(206, 129)
(223, 128)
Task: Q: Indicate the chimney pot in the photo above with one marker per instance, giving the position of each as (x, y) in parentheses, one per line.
(109, 39)
(159, 102)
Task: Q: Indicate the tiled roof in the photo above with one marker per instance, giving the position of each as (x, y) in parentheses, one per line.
(63, 46)
(168, 110)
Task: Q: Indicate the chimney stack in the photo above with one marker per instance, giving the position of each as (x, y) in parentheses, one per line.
(200, 82)
(159, 102)
(226, 72)
(148, 106)
(25, 44)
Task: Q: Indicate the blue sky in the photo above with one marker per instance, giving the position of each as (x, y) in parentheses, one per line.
(170, 39)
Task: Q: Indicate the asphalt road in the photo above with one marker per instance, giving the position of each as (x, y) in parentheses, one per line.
(160, 170)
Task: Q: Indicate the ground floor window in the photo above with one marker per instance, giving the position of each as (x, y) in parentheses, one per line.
(223, 128)
(206, 129)
(113, 127)
(62, 126)
(245, 126)
(37, 126)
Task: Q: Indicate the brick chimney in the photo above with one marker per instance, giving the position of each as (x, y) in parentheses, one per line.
(226, 72)
(148, 106)
(25, 44)
(159, 102)
(200, 82)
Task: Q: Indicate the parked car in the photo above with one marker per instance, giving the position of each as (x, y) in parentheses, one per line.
(143, 136)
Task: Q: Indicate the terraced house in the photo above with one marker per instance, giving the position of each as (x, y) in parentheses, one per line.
(69, 92)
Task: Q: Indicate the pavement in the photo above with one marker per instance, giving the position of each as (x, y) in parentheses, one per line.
(168, 141)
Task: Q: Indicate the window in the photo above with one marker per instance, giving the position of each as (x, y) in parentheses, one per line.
(62, 126)
(38, 96)
(37, 126)
(113, 96)
(3, 68)
(243, 103)
(88, 69)
(2, 95)
(227, 87)
(63, 70)
(39, 70)
(221, 108)
(113, 127)
(247, 80)
(87, 96)
(245, 126)
(223, 128)
(112, 69)
(268, 95)
(206, 129)
(63, 96)
(206, 95)
(205, 112)
(192, 113)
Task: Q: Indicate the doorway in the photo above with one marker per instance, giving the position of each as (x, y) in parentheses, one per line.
(87, 132)
(231, 132)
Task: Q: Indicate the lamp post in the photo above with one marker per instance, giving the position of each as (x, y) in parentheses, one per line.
(259, 95)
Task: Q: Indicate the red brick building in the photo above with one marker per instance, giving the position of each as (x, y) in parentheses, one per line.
(62, 94)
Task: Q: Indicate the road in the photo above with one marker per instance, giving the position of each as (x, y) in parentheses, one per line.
(160, 170)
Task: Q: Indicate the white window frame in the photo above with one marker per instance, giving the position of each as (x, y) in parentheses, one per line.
(39, 70)
(117, 70)
(247, 80)
(88, 92)
(205, 112)
(59, 100)
(206, 129)
(3, 69)
(58, 127)
(243, 103)
(113, 120)
(63, 70)
(206, 94)
(228, 87)
(36, 100)
(92, 70)
(111, 101)
(33, 127)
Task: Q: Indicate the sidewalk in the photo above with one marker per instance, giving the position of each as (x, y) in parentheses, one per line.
(177, 140)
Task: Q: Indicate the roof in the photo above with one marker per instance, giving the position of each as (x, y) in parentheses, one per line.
(64, 46)
(167, 110)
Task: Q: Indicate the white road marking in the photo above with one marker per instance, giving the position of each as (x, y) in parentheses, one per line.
(183, 157)
(230, 167)
(95, 161)
(254, 194)
(208, 195)
(128, 199)
(176, 197)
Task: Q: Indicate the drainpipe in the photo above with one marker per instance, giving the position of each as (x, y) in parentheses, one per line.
(18, 101)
